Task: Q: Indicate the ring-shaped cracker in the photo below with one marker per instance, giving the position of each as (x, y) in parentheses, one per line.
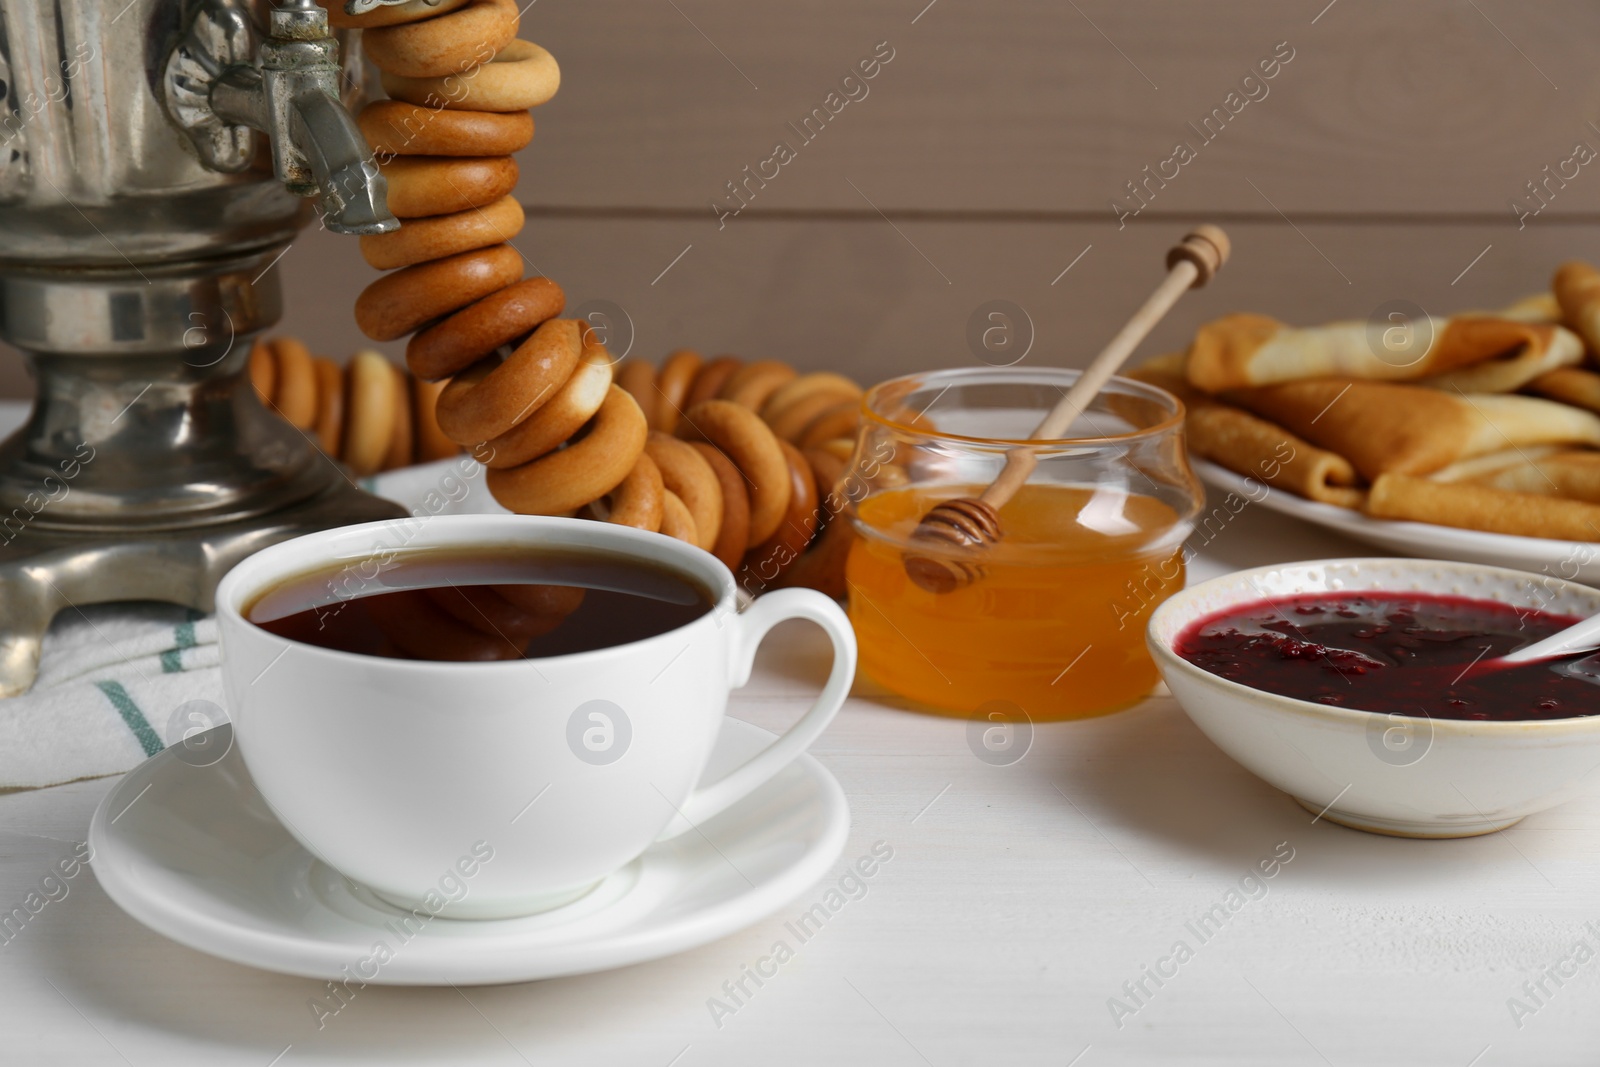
(468, 335)
(295, 397)
(745, 439)
(424, 186)
(330, 406)
(432, 443)
(582, 472)
(479, 405)
(708, 383)
(767, 561)
(420, 240)
(637, 500)
(638, 379)
(396, 128)
(557, 419)
(751, 385)
(673, 381)
(451, 43)
(370, 405)
(676, 521)
(733, 535)
(688, 476)
(523, 75)
(398, 303)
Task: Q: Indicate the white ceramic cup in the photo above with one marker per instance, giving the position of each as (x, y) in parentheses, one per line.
(489, 790)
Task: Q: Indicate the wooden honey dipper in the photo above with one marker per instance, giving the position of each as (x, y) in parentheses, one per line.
(974, 522)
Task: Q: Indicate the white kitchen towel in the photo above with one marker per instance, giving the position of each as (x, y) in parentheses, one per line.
(119, 682)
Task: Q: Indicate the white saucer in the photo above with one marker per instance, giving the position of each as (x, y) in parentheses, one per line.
(195, 854)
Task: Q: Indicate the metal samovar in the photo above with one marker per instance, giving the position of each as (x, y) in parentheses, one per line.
(156, 160)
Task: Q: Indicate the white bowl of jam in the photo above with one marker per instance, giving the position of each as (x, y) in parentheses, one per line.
(1366, 688)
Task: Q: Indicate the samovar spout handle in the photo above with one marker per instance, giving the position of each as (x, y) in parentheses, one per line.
(354, 193)
(292, 94)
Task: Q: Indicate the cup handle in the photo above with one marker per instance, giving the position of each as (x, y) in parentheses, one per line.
(748, 630)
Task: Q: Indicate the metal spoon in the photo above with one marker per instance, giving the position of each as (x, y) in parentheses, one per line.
(1580, 637)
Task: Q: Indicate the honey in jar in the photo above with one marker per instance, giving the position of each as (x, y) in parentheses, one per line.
(1054, 625)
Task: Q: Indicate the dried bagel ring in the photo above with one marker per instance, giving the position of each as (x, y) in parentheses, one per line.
(411, 11)
(370, 405)
(450, 346)
(396, 128)
(689, 477)
(840, 420)
(805, 386)
(556, 420)
(263, 370)
(765, 562)
(295, 396)
(401, 438)
(421, 186)
(745, 439)
(793, 421)
(822, 566)
(733, 535)
(673, 380)
(451, 43)
(330, 406)
(829, 467)
(435, 237)
(480, 405)
(636, 501)
(841, 448)
(676, 521)
(523, 75)
(751, 385)
(708, 383)
(582, 472)
(398, 303)
(432, 444)
(638, 379)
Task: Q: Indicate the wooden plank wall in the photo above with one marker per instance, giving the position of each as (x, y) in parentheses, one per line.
(989, 159)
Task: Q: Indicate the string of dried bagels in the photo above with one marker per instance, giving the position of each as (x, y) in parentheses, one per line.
(740, 459)
(1491, 421)
(370, 414)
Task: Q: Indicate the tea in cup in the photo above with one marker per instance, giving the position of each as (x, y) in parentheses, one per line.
(531, 700)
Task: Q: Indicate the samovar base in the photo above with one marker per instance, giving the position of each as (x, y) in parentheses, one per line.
(148, 466)
(45, 571)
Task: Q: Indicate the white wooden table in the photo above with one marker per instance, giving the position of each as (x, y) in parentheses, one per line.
(1018, 902)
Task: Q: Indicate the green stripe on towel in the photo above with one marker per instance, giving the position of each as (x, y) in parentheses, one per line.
(182, 637)
(132, 716)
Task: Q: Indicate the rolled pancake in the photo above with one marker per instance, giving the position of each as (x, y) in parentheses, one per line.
(1573, 474)
(1577, 288)
(1538, 307)
(1477, 507)
(1385, 428)
(1492, 465)
(1564, 351)
(1570, 385)
(1240, 351)
(1251, 446)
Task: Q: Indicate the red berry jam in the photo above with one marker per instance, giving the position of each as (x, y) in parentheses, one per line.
(1403, 653)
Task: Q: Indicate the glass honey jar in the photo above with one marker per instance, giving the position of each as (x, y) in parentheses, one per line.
(1053, 626)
